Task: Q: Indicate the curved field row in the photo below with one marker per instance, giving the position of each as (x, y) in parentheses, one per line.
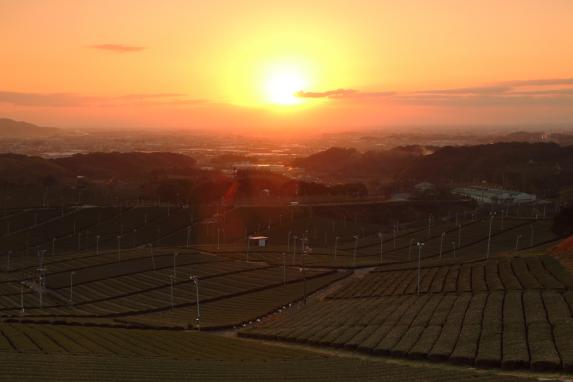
(106, 301)
(465, 244)
(529, 329)
(85, 229)
(105, 283)
(57, 339)
(234, 311)
(65, 368)
(515, 273)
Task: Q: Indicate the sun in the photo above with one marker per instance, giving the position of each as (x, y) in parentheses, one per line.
(281, 86)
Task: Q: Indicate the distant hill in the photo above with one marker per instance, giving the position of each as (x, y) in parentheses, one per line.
(127, 165)
(534, 167)
(16, 168)
(541, 168)
(18, 129)
(349, 162)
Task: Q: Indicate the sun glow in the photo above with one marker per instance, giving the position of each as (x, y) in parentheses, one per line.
(281, 87)
(266, 70)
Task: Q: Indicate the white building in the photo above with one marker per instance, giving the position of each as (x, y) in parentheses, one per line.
(259, 241)
(494, 195)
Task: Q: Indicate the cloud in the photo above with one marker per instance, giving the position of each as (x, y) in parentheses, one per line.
(513, 100)
(496, 89)
(77, 100)
(342, 93)
(336, 93)
(555, 92)
(545, 82)
(152, 96)
(43, 99)
(118, 48)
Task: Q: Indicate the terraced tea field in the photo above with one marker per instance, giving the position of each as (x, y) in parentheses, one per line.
(517, 273)
(81, 284)
(515, 313)
(242, 308)
(59, 339)
(445, 243)
(103, 287)
(89, 228)
(63, 353)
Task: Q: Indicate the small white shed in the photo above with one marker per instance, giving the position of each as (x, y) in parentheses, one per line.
(258, 241)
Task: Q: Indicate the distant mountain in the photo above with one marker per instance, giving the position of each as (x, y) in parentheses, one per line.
(18, 129)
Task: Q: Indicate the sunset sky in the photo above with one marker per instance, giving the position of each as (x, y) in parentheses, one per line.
(286, 64)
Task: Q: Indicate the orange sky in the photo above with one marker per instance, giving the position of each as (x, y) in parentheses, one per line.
(223, 64)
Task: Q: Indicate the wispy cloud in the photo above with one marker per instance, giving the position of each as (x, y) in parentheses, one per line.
(343, 93)
(496, 89)
(44, 99)
(538, 92)
(118, 48)
(336, 93)
(78, 100)
(152, 96)
(544, 82)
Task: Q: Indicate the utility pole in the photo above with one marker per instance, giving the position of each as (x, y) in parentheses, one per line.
(454, 247)
(248, 246)
(355, 249)
(491, 217)
(517, 238)
(152, 254)
(306, 250)
(381, 237)
(295, 238)
(42, 283)
(119, 248)
(171, 282)
(284, 269)
(175, 254)
(72, 287)
(22, 309)
(335, 248)
(188, 236)
(195, 280)
(442, 238)
(420, 247)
